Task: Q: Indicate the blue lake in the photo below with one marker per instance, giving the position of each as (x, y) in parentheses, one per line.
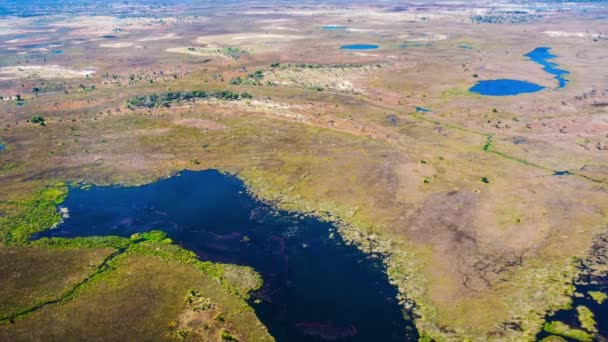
(542, 56)
(2, 146)
(359, 47)
(334, 27)
(508, 87)
(505, 87)
(316, 287)
(57, 52)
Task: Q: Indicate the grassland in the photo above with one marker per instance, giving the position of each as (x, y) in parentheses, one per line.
(481, 237)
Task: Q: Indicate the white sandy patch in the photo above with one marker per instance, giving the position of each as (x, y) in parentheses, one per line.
(280, 28)
(273, 36)
(559, 34)
(251, 42)
(168, 36)
(430, 37)
(116, 45)
(361, 30)
(53, 71)
(273, 21)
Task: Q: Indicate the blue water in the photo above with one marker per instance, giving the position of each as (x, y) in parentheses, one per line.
(57, 52)
(359, 47)
(334, 27)
(505, 87)
(586, 282)
(542, 56)
(2, 146)
(422, 110)
(465, 46)
(315, 286)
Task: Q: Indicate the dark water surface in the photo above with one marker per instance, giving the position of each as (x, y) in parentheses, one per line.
(315, 286)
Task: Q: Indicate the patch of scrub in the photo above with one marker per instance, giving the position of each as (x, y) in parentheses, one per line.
(316, 287)
(542, 56)
(359, 47)
(210, 51)
(409, 45)
(341, 78)
(51, 71)
(505, 87)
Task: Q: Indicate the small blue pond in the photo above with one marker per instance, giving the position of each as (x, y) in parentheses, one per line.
(2, 146)
(58, 52)
(316, 287)
(359, 47)
(542, 56)
(422, 110)
(505, 87)
(333, 27)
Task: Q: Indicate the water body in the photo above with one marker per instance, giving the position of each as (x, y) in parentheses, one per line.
(562, 173)
(57, 52)
(542, 56)
(359, 47)
(316, 287)
(505, 87)
(2, 146)
(600, 311)
(334, 27)
(422, 110)
(508, 87)
(465, 46)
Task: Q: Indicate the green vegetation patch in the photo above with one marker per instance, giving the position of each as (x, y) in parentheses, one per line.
(562, 329)
(586, 318)
(598, 296)
(31, 215)
(168, 98)
(35, 275)
(140, 299)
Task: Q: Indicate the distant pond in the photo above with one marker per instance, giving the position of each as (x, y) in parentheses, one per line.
(359, 47)
(334, 27)
(505, 87)
(542, 56)
(510, 87)
(316, 287)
